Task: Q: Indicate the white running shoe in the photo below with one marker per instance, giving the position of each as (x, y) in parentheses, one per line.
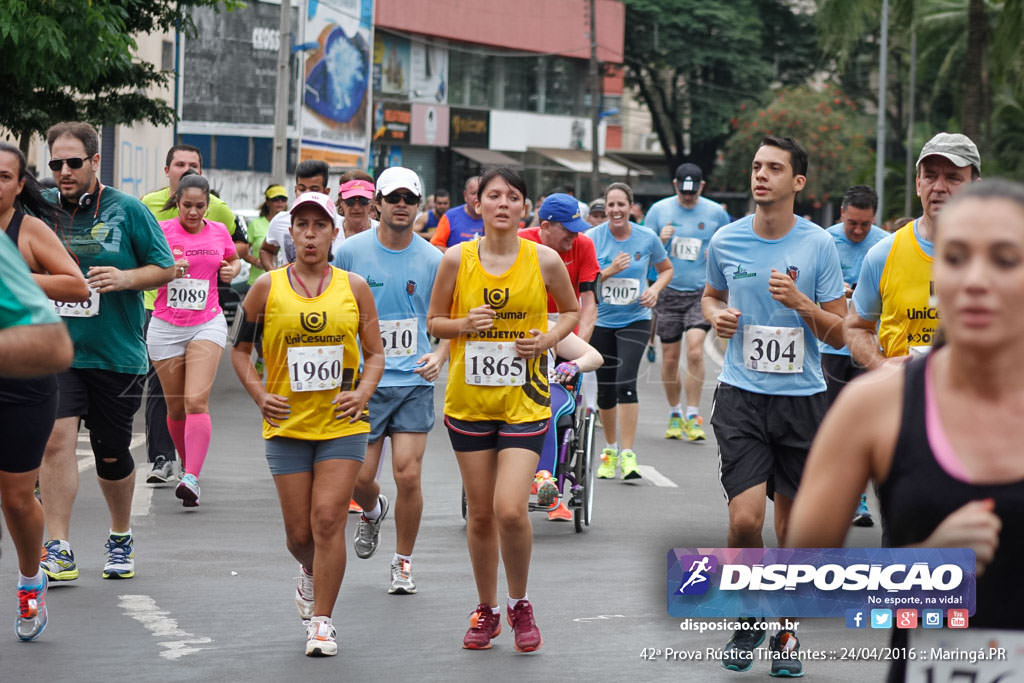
(401, 579)
(304, 594)
(321, 638)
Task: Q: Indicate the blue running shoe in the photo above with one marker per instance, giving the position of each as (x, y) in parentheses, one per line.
(785, 654)
(120, 558)
(58, 561)
(738, 654)
(863, 515)
(31, 619)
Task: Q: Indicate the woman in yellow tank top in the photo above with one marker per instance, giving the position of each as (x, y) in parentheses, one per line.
(490, 299)
(309, 316)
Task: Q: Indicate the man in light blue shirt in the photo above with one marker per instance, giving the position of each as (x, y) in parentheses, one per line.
(685, 223)
(774, 289)
(854, 235)
(400, 269)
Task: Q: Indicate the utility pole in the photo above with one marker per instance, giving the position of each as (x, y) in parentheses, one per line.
(280, 156)
(595, 107)
(883, 57)
(909, 186)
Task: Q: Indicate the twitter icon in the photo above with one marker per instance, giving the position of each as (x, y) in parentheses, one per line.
(881, 618)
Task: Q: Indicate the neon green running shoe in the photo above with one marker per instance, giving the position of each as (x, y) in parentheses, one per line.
(58, 562)
(675, 427)
(609, 461)
(627, 460)
(693, 430)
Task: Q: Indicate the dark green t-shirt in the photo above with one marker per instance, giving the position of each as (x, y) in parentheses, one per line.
(119, 232)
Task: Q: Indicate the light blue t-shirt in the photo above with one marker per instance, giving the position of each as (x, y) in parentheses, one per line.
(401, 283)
(688, 246)
(619, 298)
(741, 262)
(851, 256)
(867, 298)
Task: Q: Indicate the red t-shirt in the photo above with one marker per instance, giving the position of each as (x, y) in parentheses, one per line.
(580, 261)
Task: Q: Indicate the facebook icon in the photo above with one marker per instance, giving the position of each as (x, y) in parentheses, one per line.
(855, 618)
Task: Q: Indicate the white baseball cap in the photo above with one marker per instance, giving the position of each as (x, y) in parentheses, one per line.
(318, 199)
(399, 178)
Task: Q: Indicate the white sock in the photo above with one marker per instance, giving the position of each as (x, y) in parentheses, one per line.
(495, 610)
(613, 446)
(512, 602)
(692, 411)
(121, 533)
(397, 559)
(374, 514)
(36, 580)
(677, 409)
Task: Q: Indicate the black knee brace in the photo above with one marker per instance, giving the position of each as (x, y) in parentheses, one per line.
(121, 468)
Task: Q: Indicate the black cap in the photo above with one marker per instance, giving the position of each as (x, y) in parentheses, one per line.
(688, 178)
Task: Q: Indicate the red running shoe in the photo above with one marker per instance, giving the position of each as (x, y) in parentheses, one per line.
(521, 620)
(484, 625)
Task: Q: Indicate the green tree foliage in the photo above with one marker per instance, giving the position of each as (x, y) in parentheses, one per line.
(693, 62)
(828, 123)
(73, 59)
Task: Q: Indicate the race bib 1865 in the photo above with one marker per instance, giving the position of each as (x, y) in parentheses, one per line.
(79, 309)
(494, 364)
(315, 368)
(773, 349)
(187, 294)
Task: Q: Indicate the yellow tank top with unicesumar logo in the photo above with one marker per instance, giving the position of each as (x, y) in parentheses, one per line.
(486, 379)
(311, 352)
(909, 319)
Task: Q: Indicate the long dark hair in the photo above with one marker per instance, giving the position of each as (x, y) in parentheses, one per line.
(189, 179)
(30, 199)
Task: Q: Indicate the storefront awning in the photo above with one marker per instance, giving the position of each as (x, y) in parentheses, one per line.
(487, 157)
(580, 161)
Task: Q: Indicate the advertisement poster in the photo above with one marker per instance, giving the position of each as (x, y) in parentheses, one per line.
(336, 94)
(429, 67)
(430, 125)
(391, 122)
(391, 64)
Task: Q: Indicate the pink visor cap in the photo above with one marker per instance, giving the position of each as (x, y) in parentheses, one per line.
(317, 199)
(356, 188)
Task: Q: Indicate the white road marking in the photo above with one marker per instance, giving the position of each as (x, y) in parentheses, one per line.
(177, 643)
(600, 617)
(655, 477)
(143, 496)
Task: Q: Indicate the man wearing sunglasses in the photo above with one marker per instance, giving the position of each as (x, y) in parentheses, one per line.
(180, 160)
(122, 251)
(310, 176)
(400, 268)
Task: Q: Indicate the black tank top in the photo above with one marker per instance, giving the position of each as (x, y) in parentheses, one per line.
(918, 494)
(25, 391)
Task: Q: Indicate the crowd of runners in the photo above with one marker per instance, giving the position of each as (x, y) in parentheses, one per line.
(366, 300)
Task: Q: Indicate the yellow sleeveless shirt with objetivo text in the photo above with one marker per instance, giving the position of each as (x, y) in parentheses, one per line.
(486, 379)
(909, 319)
(311, 352)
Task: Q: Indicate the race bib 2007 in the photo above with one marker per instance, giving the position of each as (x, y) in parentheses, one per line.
(620, 291)
(773, 349)
(315, 368)
(494, 364)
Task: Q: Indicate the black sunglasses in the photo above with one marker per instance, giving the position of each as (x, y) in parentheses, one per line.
(407, 197)
(74, 163)
(351, 201)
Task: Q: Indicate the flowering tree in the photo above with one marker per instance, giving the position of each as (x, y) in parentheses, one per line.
(826, 122)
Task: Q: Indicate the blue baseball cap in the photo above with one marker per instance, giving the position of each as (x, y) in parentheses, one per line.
(561, 208)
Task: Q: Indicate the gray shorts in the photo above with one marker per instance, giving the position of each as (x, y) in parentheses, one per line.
(676, 312)
(291, 456)
(397, 410)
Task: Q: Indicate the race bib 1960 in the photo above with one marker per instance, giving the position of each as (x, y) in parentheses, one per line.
(494, 364)
(620, 291)
(773, 349)
(79, 309)
(399, 337)
(187, 294)
(685, 248)
(315, 368)
(955, 654)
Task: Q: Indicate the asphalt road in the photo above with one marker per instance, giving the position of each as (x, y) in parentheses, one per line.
(212, 598)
